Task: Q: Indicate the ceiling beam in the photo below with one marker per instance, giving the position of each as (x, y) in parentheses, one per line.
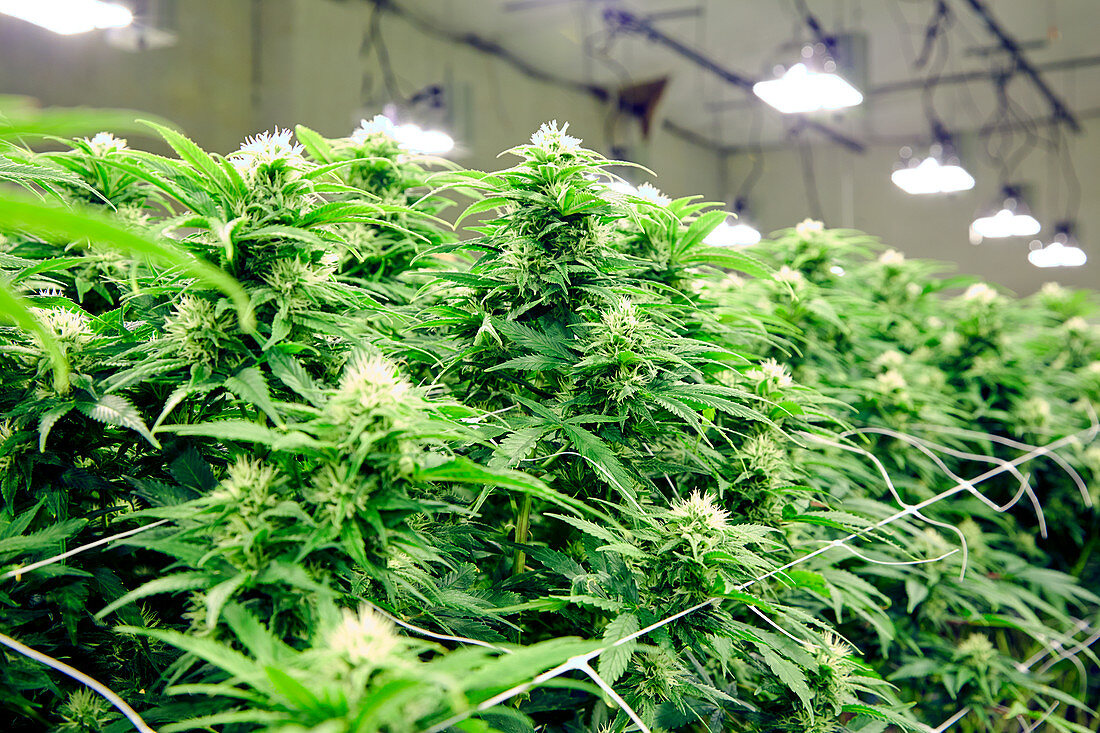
(624, 20)
(1012, 46)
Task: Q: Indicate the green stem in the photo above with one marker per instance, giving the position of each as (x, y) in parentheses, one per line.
(523, 525)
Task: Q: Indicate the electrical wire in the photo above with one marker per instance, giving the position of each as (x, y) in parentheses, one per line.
(809, 179)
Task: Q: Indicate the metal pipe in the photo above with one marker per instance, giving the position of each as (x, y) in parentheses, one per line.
(626, 21)
(1011, 45)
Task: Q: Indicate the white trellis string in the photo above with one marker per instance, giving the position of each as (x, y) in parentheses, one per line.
(1025, 728)
(581, 660)
(927, 447)
(1072, 653)
(18, 572)
(1062, 462)
(873, 561)
(432, 634)
(1050, 647)
(102, 689)
(950, 721)
(896, 494)
(1033, 660)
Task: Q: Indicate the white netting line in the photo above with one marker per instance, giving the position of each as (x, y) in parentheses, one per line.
(1051, 648)
(19, 572)
(580, 662)
(80, 677)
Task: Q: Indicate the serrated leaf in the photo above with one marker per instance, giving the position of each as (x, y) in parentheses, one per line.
(789, 674)
(48, 420)
(112, 409)
(615, 659)
(250, 385)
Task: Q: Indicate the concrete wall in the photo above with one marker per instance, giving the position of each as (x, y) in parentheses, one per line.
(245, 65)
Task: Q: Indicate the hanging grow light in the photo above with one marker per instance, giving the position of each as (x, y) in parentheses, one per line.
(1062, 251)
(801, 89)
(1013, 219)
(733, 235)
(940, 172)
(69, 17)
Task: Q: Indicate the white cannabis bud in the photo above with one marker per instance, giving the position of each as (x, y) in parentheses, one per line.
(67, 326)
(290, 276)
(1035, 412)
(786, 275)
(104, 143)
(976, 650)
(363, 639)
(553, 138)
(1053, 291)
(808, 227)
(1077, 326)
(380, 125)
(369, 381)
(651, 193)
(266, 148)
(890, 359)
(773, 370)
(891, 258)
(700, 510)
(891, 381)
(248, 482)
(980, 293)
(197, 329)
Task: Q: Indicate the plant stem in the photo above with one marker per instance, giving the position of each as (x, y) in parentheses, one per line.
(523, 524)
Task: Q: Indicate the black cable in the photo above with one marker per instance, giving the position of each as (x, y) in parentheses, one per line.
(757, 156)
(383, 54)
(809, 179)
(1073, 183)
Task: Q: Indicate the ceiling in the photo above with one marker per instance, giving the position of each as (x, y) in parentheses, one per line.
(571, 39)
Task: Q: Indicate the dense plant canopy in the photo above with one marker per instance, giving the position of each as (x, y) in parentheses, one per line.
(325, 465)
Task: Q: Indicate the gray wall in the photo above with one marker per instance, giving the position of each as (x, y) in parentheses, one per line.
(246, 65)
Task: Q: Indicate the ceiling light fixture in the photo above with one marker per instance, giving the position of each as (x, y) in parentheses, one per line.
(69, 17)
(801, 89)
(738, 234)
(1013, 219)
(940, 172)
(1062, 251)
(413, 138)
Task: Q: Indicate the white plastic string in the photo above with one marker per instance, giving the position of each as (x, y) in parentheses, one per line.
(80, 677)
(873, 561)
(433, 635)
(1025, 728)
(950, 721)
(18, 572)
(894, 492)
(1025, 666)
(1062, 462)
(1050, 647)
(581, 661)
(927, 447)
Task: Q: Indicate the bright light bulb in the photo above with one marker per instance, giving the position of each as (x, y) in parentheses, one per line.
(802, 90)
(931, 176)
(1006, 223)
(423, 142)
(732, 235)
(68, 17)
(1057, 254)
